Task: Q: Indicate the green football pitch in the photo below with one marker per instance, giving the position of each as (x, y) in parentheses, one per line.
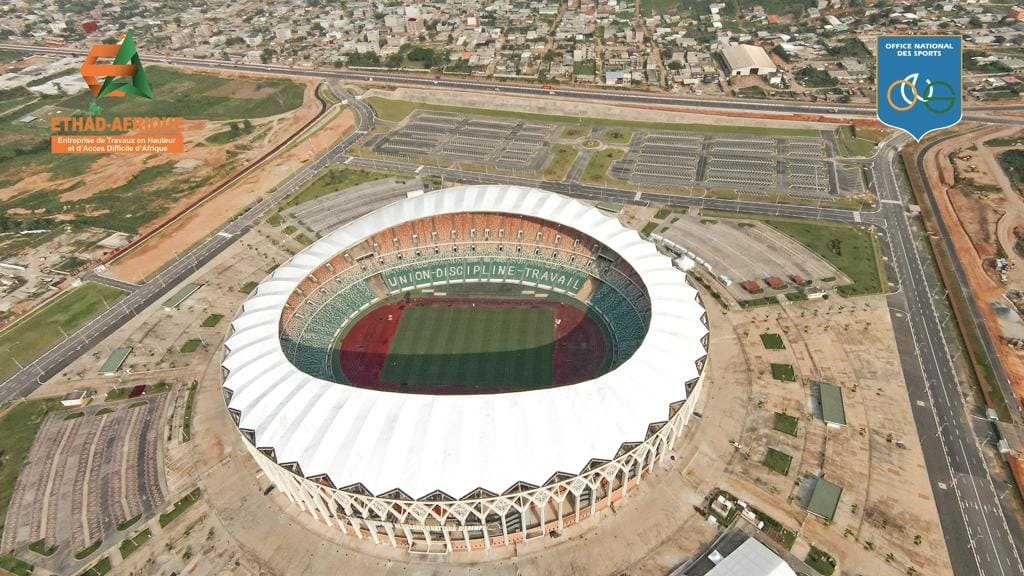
(510, 348)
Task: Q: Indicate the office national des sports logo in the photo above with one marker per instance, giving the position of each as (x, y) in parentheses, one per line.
(124, 76)
(919, 83)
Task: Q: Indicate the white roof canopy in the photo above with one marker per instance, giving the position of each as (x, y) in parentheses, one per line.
(420, 443)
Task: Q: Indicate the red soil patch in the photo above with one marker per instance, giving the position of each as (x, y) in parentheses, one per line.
(580, 352)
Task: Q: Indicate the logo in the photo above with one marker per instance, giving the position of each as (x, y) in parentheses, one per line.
(919, 83)
(131, 133)
(124, 76)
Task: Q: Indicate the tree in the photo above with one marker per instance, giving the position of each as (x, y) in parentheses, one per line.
(675, 65)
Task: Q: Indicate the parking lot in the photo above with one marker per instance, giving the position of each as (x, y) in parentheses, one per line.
(740, 251)
(502, 142)
(752, 164)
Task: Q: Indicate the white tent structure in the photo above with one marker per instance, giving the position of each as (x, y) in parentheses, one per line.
(752, 559)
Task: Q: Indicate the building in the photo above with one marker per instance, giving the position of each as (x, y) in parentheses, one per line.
(751, 559)
(825, 499)
(75, 399)
(432, 469)
(832, 410)
(747, 60)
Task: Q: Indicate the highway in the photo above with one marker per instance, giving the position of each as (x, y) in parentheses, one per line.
(973, 522)
(979, 539)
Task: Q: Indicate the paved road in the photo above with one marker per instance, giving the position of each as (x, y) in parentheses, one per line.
(977, 534)
(973, 522)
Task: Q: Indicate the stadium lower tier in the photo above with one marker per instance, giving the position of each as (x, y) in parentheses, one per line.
(317, 338)
(439, 523)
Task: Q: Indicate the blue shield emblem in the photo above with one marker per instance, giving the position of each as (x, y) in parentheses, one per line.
(919, 83)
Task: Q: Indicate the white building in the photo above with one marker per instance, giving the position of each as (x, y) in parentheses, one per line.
(747, 60)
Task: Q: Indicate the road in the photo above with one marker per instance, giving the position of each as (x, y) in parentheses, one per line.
(978, 537)
(973, 522)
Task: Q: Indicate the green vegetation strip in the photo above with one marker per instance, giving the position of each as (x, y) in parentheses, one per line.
(36, 333)
(18, 427)
(772, 341)
(88, 551)
(128, 523)
(186, 425)
(334, 179)
(396, 110)
(180, 507)
(40, 547)
(99, 569)
(248, 287)
(15, 565)
(785, 423)
(129, 546)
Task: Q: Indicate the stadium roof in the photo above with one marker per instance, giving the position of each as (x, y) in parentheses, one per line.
(421, 443)
(752, 559)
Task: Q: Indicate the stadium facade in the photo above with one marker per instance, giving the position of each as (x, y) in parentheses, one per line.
(447, 472)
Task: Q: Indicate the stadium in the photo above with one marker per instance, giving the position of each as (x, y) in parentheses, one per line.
(466, 369)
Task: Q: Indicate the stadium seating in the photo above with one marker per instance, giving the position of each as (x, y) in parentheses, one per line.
(426, 251)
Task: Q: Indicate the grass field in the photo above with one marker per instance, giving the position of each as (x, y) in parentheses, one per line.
(561, 157)
(785, 423)
(778, 461)
(396, 110)
(200, 96)
(851, 143)
(851, 249)
(772, 342)
(212, 320)
(494, 346)
(15, 566)
(31, 336)
(191, 346)
(783, 372)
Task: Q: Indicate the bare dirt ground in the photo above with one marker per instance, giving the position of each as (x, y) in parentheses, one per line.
(143, 261)
(976, 223)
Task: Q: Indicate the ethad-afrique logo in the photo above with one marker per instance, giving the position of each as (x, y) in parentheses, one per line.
(94, 132)
(126, 65)
(919, 83)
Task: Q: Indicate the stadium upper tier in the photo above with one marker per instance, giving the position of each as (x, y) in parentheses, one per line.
(370, 441)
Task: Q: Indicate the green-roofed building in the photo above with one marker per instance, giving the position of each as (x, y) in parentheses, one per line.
(180, 296)
(825, 499)
(115, 361)
(832, 411)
